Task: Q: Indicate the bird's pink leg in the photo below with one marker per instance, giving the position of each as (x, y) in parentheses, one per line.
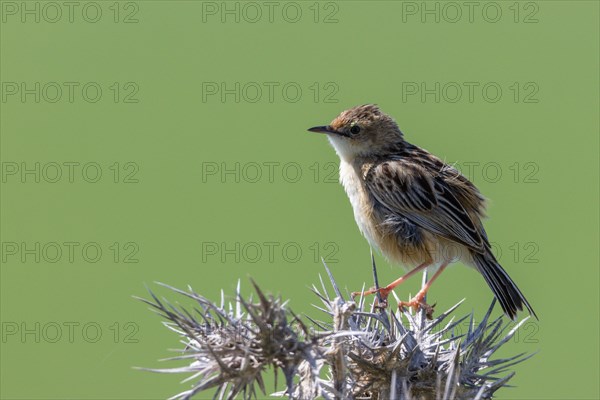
(417, 301)
(385, 291)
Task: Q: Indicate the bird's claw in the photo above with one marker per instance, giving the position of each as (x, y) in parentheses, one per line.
(354, 294)
(418, 304)
(383, 294)
(382, 305)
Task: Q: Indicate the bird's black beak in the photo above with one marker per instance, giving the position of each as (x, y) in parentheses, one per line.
(327, 129)
(322, 129)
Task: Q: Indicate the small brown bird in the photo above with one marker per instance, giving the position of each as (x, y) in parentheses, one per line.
(417, 210)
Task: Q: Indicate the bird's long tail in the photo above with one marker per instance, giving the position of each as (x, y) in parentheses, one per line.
(506, 291)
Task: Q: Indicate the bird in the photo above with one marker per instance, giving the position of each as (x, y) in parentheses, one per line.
(414, 208)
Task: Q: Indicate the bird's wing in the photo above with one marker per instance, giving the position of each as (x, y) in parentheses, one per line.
(424, 198)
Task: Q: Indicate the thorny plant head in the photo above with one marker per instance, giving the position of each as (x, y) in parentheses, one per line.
(359, 353)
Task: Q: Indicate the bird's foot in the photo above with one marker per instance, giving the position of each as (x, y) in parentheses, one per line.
(417, 303)
(383, 295)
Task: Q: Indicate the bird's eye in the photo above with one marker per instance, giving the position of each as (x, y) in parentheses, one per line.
(354, 129)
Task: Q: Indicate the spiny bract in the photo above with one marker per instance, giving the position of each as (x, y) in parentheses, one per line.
(358, 354)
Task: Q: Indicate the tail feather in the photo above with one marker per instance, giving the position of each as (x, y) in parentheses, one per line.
(506, 291)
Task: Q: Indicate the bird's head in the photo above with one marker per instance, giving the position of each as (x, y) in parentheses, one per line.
(360, 132)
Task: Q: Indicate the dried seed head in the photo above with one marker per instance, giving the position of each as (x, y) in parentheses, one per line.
(366, 354)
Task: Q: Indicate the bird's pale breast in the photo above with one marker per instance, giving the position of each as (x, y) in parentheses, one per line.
(361, 204)
(410, 247)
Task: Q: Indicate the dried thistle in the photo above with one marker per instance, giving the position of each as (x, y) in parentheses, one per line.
(231, 347)
(359, 354)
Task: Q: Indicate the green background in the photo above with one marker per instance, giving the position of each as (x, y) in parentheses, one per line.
(371, 54)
